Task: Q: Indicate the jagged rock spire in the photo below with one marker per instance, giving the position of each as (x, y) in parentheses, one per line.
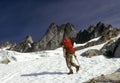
(55, 34)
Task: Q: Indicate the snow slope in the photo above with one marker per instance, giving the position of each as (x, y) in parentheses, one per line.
(50, 67)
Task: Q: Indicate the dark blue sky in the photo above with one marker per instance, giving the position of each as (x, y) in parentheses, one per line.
(21, 17)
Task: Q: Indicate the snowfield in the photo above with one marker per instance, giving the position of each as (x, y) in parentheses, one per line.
(50, 67)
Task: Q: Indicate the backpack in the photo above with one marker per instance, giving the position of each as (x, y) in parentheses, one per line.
(68, 45)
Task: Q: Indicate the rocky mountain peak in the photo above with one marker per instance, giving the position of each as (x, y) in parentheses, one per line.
(51, 39)
(7, 44)
(101, 29)
(55, 34)
(69, 25)
(69, 30)
(91, 32)
(52, 26)
(24, 45)
(28, 38)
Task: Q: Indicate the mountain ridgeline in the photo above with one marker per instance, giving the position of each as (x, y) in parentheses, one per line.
(54, 35)
(91, 32)
(106, 37)
(50, 40)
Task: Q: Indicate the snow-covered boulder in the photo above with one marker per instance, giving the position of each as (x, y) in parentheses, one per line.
(4, 59)
(6, 56)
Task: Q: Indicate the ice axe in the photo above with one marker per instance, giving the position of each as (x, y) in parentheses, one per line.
(77, 60)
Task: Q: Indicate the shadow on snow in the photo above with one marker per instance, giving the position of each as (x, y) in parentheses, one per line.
(43, 73)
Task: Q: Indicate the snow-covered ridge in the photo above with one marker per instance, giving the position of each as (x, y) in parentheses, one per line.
(94, 39)
(50, 67)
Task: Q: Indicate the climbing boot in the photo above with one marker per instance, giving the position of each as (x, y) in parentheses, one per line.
(71, 72)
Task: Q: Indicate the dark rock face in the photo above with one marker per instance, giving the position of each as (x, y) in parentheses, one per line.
(35, 47)
(108, 49)
(94, 31)
(48, 38)
(117, 52)
(24, 46)
(53, 37)
(106, 36)
(100, 29)
(112, 49)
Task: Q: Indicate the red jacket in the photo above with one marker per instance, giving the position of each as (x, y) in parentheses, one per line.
(68, 45)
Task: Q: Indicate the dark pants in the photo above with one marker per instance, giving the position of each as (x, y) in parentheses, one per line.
(70, 62)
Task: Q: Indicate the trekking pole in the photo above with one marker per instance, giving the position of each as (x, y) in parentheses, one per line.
(76, 59)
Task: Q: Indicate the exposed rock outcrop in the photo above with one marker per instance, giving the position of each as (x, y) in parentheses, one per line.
(7, 45)
(24, 46)
(112, 49)
(101, 29)
(110, 78)
(90, 53)
(53, 37)
(108, 35)
(116, 51)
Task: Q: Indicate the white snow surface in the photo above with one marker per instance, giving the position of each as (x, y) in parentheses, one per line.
(94, 39)
(50, 67)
